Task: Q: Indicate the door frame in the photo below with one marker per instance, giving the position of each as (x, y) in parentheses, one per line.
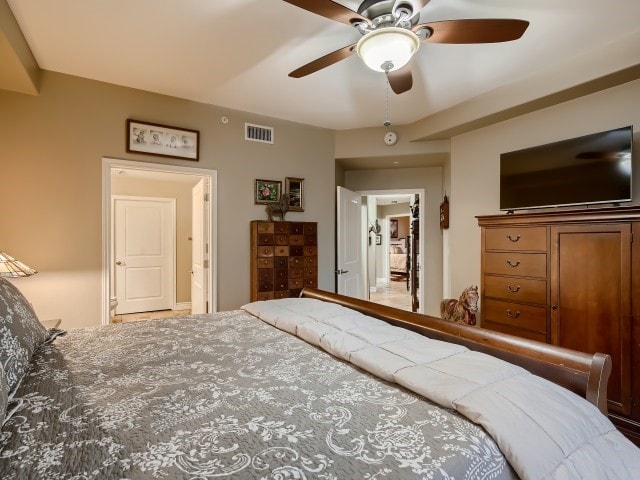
(421, 192)
(109, 164)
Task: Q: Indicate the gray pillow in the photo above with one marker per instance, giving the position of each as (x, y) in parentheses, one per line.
(4, 395)
(20, 333)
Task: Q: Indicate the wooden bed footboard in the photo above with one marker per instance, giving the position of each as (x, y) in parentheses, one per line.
(582, 373)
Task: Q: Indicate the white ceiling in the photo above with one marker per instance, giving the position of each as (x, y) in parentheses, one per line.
(237, 53)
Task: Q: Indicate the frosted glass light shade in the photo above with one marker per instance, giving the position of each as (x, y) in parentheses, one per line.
(10, 267)
(389, 44)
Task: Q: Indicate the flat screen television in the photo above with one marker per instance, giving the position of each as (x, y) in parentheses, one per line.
(594, 168)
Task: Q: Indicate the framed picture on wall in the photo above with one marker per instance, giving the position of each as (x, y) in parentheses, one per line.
(393, 228)
(295, 188)
(162, 140)
(267, 191)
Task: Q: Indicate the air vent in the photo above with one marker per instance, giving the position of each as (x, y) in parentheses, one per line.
(258, 133)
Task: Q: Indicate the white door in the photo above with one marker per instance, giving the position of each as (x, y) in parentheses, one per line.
(199, 248)
(144, 253)
(349, 268)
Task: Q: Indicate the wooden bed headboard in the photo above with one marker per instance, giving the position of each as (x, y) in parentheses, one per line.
(582, 373)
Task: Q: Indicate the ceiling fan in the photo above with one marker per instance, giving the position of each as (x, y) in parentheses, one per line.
(391, 35)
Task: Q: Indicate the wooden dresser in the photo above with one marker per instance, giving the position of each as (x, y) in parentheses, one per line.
(570, 278)
(284, 258)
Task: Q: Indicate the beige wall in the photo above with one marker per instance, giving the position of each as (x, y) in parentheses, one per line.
(121, 184)
(475, 167)
(50, 201)
(429, 179)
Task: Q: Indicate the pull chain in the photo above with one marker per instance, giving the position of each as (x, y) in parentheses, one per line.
(387, 122)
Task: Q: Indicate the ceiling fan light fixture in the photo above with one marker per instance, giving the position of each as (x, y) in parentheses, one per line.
(388, 48)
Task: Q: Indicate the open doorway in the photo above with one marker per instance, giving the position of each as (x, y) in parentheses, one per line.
(394, 277)
(379, 233)
(158, 241)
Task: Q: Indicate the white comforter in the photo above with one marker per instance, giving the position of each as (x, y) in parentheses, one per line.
(545, 431)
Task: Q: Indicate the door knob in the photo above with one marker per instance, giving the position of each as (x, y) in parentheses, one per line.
(340, 271)
(119, 263)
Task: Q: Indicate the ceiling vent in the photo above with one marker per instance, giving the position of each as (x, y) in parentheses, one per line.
(258, 133)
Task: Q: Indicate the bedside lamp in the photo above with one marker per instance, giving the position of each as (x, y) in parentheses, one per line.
(10, 267)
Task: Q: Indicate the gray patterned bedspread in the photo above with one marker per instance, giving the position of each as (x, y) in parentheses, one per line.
(226, 396)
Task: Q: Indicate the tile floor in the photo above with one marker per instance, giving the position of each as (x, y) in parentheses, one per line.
(138, 317)
(393, 294)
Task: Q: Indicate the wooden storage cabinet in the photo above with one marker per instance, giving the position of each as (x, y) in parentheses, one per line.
(571, 279)
(284, 258)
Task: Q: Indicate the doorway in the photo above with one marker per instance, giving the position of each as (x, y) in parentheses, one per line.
(193, 193)
(399, 287)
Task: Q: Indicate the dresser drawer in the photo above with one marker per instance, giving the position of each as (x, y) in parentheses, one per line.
(281, 284)
(265, 296)
(281, 294)
(281, 262)
(296, 283)
(296, 272)
(310, 228)
(310, 261)
(516, 263)
(265, 227)
(296, 239)
(265, 262)
(296, 262)
(296, 250)
(516, 238)
(310, 272)
(281, 239)
(265, 251)
(310, 240)
(515, 315)
(281, 274)
(518, 332)
(265, 239)
(265, 285)
(281, 227)
(516, 289)
(311, 282)
(281, 250)
(296, 228)
(265, 275)
(310, 251)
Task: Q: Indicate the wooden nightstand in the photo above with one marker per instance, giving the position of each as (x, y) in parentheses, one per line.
(53, 323)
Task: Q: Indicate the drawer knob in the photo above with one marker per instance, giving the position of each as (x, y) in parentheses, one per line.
(513, 315)
(513, 264)
(513, 289)
(512, 238)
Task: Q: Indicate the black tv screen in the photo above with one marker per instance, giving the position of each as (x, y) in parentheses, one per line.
(590, 169)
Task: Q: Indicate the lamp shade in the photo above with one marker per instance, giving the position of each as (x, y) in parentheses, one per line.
(10, 267)
(388, 49)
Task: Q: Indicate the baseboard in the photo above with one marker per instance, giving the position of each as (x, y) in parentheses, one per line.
(182, 306)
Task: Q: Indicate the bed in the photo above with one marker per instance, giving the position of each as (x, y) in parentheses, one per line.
(322, 386)
(398, 258)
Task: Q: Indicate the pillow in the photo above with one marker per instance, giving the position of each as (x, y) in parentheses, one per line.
(20, 333)
(4, 395)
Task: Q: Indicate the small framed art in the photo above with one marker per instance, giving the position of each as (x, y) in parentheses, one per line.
(162, 140)
(393, 228)
(295, 188)
(267, 191)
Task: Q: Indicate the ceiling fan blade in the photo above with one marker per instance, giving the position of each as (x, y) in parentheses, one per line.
(485, 30)
(322, 62)
(330, 10)
(401, 80)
